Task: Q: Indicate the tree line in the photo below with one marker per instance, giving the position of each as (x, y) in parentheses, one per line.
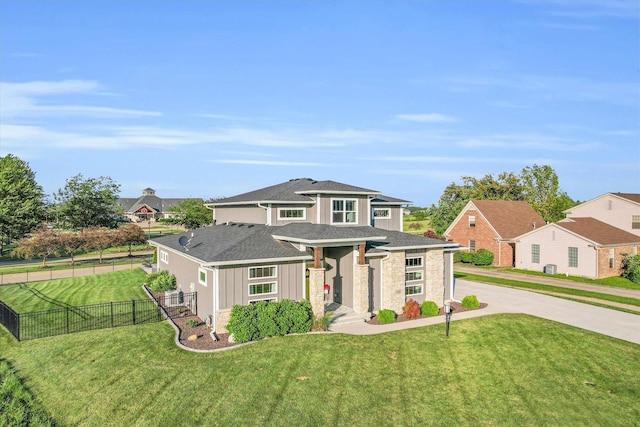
(82, 209)
(537, 185)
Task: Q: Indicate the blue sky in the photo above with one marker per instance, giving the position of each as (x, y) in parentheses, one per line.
(210, 99)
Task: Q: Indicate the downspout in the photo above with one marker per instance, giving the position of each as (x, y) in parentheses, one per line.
(216, 294)
(266, 208)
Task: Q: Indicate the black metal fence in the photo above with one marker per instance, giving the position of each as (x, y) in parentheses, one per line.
(70, 319)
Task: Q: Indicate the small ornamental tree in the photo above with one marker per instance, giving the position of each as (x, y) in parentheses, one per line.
(631, 267)
(131, 234)
(99, 239)
(41, 244)
(71, 242)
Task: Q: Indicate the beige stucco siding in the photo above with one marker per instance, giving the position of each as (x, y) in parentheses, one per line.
(609, 209)
(234, 283)
(554, 249)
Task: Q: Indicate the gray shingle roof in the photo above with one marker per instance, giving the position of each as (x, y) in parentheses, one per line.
(234, 243)
(293, 191)
(384, 200)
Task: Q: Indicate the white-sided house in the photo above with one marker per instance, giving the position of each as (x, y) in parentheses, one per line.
(303, 237)
(576, 246)
(621, 210)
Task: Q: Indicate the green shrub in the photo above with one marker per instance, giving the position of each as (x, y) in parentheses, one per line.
(466, 257)
(162, 281)
(321, 324)
(631, 267)
(471, 302)
(263, 319)
(429, 308)
(386, 316)
(483, 257)
(191, 323)
(411, 309)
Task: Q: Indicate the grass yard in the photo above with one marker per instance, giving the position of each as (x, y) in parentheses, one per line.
(117, 286)
(493, 370)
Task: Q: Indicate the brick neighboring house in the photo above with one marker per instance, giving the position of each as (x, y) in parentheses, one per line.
(578, 247)
(293, 239)
(621, 210)
(494, 225)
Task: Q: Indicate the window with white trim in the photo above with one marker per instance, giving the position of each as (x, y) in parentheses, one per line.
(202, 276)
(413, 262)
(411, 289)
(472, 221)
(262, 288)
(164, 257)
(612, 254)
(535, 254)
(573, 257)
(472, 245)
(344, 211)
(382, 213)
(635, 222)
(299, 214)
(262, 272)
(412, 276)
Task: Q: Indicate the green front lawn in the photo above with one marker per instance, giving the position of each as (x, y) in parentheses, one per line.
(116, 286)
(494, 370)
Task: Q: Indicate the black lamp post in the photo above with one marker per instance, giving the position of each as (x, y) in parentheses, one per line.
(448, 311)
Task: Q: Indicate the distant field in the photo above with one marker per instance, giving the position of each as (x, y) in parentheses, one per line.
(411, 224)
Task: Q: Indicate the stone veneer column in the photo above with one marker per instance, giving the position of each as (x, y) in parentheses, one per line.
(222, 320)
(316, 291)
(393, 279)
(434, 276)
(361, 288)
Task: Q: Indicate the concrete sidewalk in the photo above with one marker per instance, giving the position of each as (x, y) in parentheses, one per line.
(550, 280)
(613, 323)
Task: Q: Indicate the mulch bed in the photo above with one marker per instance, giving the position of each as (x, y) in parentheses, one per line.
(204, 341)
(455, 306)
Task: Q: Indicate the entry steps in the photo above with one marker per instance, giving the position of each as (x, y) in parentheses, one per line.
(342, 315)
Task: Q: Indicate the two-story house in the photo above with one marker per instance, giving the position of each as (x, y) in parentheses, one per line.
(304, 239)
(621, 210)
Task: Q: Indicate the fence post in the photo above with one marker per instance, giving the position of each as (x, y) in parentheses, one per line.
(67, 319)
(112, 314)
(133, 310)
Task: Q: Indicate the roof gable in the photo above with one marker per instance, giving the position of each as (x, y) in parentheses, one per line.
(597, 231)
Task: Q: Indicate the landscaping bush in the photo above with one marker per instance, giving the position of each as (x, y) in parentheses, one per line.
(321, 324)
(429, 308)
(162, 281)
(483, 257)
(466, 257)
(471, 302)
(386, 316)
(631, 267)
(264, 319)
(191, 323)
(411, 309)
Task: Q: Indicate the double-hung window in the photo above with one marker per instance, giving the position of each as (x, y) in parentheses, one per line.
(472, 245)
(635, 222)
(164, 257)
(344, 211)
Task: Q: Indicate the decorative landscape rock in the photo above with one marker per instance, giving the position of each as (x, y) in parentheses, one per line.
(192, 338)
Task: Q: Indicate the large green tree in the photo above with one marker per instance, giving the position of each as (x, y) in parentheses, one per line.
(506, 186)
(89, 202)
(538, 185)
(192, 214)
(22, 201)
(542, 190)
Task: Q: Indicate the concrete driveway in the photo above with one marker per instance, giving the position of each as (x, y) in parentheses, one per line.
(503, 300)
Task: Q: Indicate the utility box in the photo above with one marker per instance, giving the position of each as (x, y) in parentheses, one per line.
(550, 269)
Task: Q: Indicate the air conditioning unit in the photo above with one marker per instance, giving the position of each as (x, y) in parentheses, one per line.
(171, 298)
(550, 269)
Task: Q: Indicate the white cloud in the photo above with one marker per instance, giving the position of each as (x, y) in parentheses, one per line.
(23, 100)
(426, 118)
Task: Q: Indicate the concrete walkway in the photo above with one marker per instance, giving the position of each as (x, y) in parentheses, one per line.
(500, 299)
